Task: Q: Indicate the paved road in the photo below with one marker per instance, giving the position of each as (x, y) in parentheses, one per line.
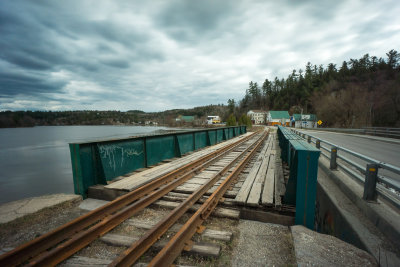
(376, 149)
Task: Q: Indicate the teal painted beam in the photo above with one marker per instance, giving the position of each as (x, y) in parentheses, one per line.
(76, 169)
(302, 184)
(101, 161)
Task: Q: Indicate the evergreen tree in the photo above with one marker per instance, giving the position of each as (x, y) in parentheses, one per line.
(231, 120)
(231, 105)
(393, 59)
(245, 120)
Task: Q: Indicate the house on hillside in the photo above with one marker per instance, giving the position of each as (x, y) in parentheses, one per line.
(304, 121)
(257, 116)
(275, 117)
(185, 119)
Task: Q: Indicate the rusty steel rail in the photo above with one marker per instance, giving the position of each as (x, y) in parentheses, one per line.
(132, 254)
(101, 216)
(182, 239)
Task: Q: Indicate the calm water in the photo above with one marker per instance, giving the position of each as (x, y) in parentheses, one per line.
(36, 161)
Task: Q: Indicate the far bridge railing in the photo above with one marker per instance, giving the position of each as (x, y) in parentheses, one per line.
(377, 131)
(366, 172)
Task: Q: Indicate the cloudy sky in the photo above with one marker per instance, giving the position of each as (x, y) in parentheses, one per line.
(157, 55)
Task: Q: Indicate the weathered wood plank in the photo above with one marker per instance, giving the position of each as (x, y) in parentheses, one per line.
(271, 161)
(205, 174)
(196, 181)
(208, 233)
(267, 197)
(179, 197)
(255, 193)
(76, 261)
(187, 188)
(268, 217)
(221, 163)
(100, 192)
(280, 178)
(280, 187)
(190, 188)
(200, 248)
(278, 182)
(214, 168)
(239, 184)
(119, 240)
(244, 191)
(218, 212)
(231, 193)
(256, 190)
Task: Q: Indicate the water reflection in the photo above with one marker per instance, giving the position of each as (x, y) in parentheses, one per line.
(36, 161)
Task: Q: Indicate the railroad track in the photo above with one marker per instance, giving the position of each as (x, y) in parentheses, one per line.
(61, 243)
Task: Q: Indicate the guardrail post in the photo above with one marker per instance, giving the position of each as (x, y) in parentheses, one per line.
(309, 139)
(318, 144)
(371, 176)
(333, 164)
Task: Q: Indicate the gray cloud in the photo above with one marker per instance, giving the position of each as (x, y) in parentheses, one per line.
(174, 54)
(193, 20)
(117, 63)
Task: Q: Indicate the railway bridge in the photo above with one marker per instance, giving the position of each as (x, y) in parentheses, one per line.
(198, 197)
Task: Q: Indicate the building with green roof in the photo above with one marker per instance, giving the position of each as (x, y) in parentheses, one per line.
(278, 117)
(185, 118)
(304, 120)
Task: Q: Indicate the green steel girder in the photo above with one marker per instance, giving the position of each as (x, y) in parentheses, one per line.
(301, 188)
(98, 162)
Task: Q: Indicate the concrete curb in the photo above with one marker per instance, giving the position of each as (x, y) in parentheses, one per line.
(315, 249)
(379, 213)
(17, 209)
(379, 231)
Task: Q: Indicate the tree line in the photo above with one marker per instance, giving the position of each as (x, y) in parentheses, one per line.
(82, 117)
(111, 117)
(361, 92)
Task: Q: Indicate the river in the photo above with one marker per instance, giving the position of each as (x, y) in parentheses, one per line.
(36, 161)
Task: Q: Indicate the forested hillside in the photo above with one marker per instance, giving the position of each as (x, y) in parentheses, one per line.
(360, 92)
(96, 117)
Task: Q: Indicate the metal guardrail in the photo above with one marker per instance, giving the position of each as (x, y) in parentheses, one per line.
(378, 131)
(370, 171)
(381, 131)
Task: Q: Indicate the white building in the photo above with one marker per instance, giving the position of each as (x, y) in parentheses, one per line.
(304, 120)
(213, 119)
(257, 116)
